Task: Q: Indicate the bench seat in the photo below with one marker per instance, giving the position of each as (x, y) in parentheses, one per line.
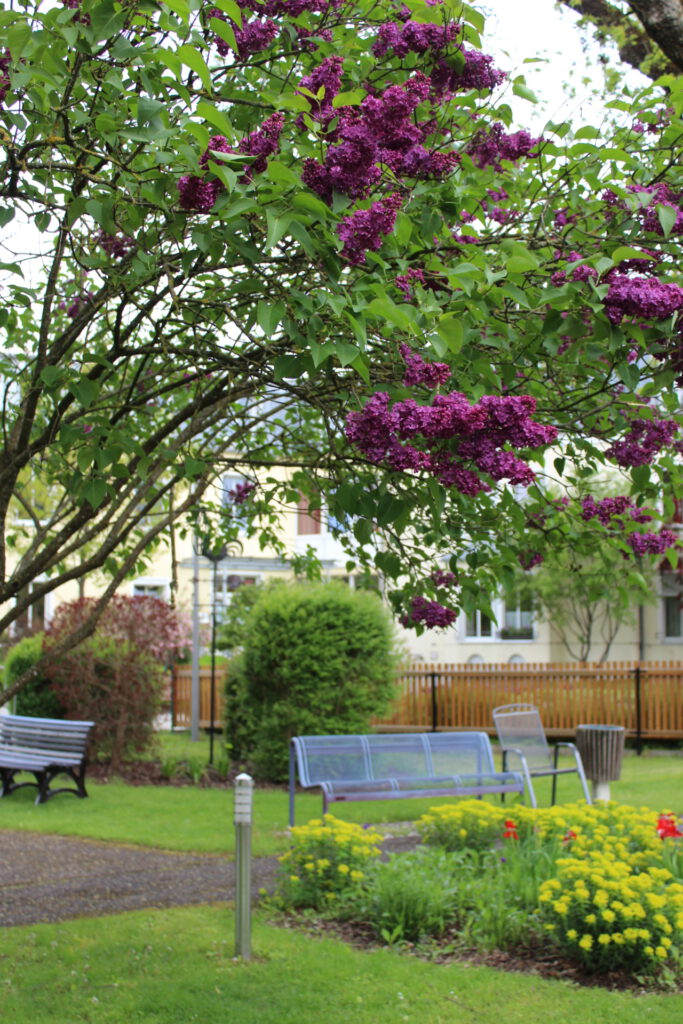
(397, 766)
(45, 748)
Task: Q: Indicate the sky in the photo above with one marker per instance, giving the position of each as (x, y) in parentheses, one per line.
(519, 30)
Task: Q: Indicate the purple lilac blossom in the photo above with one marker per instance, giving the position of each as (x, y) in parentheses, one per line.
(262, 143)
(327, 76)
(240, 492)
(420, 372)
(643, 297)
(489, 147)
(429, 613)
(364, 230)
(477, 72)
(5, 62)
(403, 281)
(413, 37)
(644, 439)
(443, 578)
(116, 246)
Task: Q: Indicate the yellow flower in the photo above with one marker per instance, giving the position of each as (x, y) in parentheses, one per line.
(343, 869)
(586, 942)
(294, 878)
(661, 952)
(572, 934)
(604, 939)
(356, 876)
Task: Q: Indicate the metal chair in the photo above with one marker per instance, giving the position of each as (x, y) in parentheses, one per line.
(521, 732)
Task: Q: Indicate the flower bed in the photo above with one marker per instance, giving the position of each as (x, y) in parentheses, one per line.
(601, 885)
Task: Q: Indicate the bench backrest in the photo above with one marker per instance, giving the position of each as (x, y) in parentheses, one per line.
(391, 755)
(44, 734)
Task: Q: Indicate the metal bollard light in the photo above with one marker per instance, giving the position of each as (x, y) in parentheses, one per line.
(244, 787)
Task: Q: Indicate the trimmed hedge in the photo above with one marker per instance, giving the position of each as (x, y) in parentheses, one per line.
(37, 699)
(317, 659)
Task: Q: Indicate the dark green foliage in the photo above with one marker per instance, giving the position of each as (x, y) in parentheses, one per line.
(318, 659)
(37, 699)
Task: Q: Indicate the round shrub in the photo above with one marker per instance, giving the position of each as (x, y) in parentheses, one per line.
(37, 699)
(319, 659)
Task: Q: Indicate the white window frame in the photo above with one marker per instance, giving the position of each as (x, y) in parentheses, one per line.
(142, 586)
(671, 590)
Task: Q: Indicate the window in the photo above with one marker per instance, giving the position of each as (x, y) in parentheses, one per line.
(308, 521)
(231, 484)
(672, 601)
(478, 624)
(226, 585)
(518, 620)
(32, 619)
(142, 588)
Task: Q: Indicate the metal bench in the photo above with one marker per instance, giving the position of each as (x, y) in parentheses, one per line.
(44, 747)
(390, 766)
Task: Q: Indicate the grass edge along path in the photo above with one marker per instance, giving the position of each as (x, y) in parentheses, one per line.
(194, 819)
(177, 967)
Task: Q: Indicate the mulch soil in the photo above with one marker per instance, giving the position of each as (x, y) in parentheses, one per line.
(48, 878)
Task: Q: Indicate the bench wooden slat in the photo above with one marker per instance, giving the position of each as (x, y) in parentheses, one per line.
(44, 747)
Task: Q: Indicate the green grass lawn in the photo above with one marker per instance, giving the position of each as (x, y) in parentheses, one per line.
(177, 967)
(192, 818)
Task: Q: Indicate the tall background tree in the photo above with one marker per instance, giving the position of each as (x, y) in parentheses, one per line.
(648, 33)
(305, 234)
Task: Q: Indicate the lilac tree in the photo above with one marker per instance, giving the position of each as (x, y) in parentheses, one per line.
(306, 233)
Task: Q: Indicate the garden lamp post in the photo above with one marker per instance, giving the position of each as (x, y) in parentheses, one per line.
(215, 555)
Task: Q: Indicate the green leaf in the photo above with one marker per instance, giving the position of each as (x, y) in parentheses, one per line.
(451, 330)
(194, 467)
(193, 59)
(215, 117)
(666, 215)
(346, 354)
(51, 376)
(349, 99)
(225, 31)
(385, 309)
(281, 174)
(179, 7)
(277, 226)
(230, 8)
(94, 492)
(84, 391)
(626, 252)
(521, 89)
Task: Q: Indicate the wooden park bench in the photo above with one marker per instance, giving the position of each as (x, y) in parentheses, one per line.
(45, 748)
(397, 765)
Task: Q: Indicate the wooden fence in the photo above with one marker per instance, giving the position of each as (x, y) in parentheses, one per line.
(645, 697)
(181, 697)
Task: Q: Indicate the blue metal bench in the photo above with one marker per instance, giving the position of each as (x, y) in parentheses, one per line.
(390, 766)
(45, 748)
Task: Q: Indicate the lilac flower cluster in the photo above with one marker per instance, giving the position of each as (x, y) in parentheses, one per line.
(383, 131)
(661, 195)
(453, 433)
(200, 194)
(652, 543)
(419, 372)
(646, 298)
(116, 246)
(443, 578)
(528, 559)
(644, 439)
(240, 492)
(581, 272)
(413, 37)
(363, 230)
(262, 143)
(75, 5)
(477, 72)
(326, 76)
(254, 35)
(5, 62)
(607, 508)
(490, 146)
(77, 304)
(403, 281)
(428, 613)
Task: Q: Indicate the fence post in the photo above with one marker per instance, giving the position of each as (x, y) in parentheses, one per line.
(244, 787)
(433, 679)
(639, 721)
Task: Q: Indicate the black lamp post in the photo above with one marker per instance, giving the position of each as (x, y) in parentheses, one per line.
(215, 555)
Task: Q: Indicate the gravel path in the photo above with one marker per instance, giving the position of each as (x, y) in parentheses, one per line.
(54, 878)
